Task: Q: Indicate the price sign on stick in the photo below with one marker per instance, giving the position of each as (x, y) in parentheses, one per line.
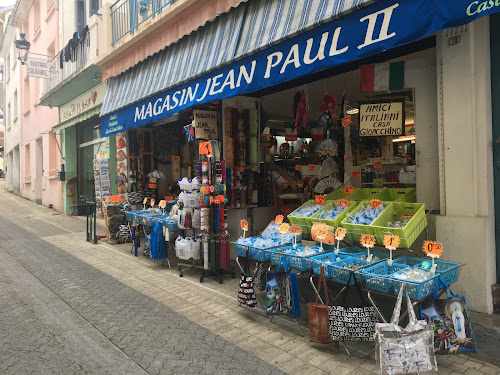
(391, 242)
(296, 231)
(144, 203)
(323, 233)
(433, 250)
(162, 205)
(368, 242)
(284, 228)
(244, 226)
(348, 189)
(320, 199)
(152, 202)
(343, 203)
(340, 233)
(279, 219)
(375, 203)
(205, 148)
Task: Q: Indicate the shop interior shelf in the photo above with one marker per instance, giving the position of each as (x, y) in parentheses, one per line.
(416, 290)
(447, 270)
(305, 222)
(337, 220)
(377, 277)
(326, 260)
(354, 231)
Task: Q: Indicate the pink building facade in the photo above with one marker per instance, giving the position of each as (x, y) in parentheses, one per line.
(40, 158)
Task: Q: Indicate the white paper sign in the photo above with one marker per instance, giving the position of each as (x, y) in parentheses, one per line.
(38, 68)
(205, 124)
(380, 119)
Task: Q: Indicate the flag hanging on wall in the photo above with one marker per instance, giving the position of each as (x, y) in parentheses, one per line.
(382, 77)
(189, 129)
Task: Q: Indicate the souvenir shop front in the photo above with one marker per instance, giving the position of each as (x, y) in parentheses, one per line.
(322, 128)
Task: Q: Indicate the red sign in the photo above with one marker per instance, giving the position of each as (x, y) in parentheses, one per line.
(206, 149)
(320, 199)
(348, 189)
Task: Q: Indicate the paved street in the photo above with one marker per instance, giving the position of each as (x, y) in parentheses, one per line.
(70, 307)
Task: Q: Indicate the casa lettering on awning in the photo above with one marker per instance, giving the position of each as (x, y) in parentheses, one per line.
(376, 28)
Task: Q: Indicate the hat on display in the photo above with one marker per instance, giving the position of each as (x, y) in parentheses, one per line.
(328, 103)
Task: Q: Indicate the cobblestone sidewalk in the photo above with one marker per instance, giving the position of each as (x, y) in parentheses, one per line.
(163, 323)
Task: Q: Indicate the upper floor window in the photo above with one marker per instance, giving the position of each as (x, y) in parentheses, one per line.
(80, 14)
(94, 6)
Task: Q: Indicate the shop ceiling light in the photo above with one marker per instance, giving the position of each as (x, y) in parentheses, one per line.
(404, 139)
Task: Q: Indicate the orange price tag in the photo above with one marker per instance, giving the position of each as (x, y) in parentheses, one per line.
(346, 159)
(348, 189)
(320, 199)
(205, 148)
(285, 186)
(279, 219)
(176, 158)
(311, 167)
(221, 199)
(391, 241)
(295, 229)
(145, 201)
(343, 203)
(298, 168)
(115, 199)
(169, 198)
(162, 204)
(367, 240)
(300, 185)
(102, 155)
(377, 165)
(356, 174)
(284, 228)
(152, 180)
(323, 233)
(238, 104)
(244, 224)
(375, 203)
(152, 202)
(340, 233)
(433, 248)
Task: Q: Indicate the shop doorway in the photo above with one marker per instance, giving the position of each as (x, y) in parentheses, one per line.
(38, 170)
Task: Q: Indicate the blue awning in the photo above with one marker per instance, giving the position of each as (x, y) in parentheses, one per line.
(242, 31)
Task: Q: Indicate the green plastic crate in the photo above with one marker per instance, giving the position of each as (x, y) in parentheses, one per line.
(304, 222)
(336, 194)
(363, 194)
(408, 195)
(354, 231)
(412, 229)
(335, 222)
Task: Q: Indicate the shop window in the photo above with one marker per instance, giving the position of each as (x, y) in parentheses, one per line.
(14, 117)
(26, 96)
(94, 6)
(80, 14)
(36, 16)
(27, 171)
(52, 154)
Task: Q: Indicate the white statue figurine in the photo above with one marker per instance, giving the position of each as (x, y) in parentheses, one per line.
(458, 320)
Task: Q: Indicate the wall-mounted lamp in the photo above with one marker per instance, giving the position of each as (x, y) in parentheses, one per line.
(23, 47)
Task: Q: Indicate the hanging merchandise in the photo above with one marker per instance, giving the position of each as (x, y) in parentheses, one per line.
(300, 109)
(158, 245)
(453, 332)
(352, 323)
(405, 350)
(282, 292)
(328, 103)
(319, 324)
(246, 292)
(260, 276)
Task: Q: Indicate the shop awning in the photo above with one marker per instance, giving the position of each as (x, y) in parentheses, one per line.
(209, 64)
(241, 32)
(75, 120)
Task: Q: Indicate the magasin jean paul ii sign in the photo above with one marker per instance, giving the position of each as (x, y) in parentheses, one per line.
(85, 102)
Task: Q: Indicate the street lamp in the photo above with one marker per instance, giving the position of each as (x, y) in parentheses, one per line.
(22, 46)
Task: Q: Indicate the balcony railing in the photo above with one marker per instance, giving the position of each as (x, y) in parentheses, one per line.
(61, 71)
(127, 15)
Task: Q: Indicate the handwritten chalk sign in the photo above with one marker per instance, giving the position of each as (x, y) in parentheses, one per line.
(205, 124)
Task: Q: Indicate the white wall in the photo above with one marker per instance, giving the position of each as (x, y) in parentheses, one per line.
(466, 224)
(420, 74)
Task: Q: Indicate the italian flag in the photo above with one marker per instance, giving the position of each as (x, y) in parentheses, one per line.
(382, 77)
